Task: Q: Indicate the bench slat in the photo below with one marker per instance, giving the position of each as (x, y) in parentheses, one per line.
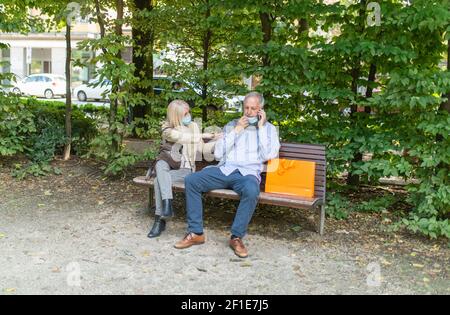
(265, 198)
(303, 151)
(302, 146)
(300, 156)
(296, 151)
(321, 150)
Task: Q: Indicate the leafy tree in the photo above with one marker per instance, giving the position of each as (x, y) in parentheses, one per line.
(197, 32)
(61, 14)
(111, 44)
(143, 22)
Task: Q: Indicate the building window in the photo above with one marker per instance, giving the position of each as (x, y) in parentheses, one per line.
(5, 54)
(82, 68)
(5, 66)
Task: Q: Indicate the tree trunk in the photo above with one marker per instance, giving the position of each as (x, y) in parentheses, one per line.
(266, 26)
(206, 50)
(353, 179)
(116, 85)
(100, 22)
(303, 29)
(67, 147)
(267, 30)
(369, 91)
(143, 45)
(445, 106)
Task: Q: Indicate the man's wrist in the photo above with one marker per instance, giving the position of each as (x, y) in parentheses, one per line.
(238, 129)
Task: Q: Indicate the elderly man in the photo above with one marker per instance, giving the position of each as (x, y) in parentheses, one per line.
(247, 144)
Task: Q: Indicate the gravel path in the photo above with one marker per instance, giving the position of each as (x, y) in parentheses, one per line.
(57, 239)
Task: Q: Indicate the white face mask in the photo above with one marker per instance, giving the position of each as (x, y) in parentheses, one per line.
(253, 121)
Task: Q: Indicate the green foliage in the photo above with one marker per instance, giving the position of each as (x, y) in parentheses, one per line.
(124, 160)
(50, 117)
(431, 227)
(36, 130)
(49, 137)
(35, 169)
(198, 32)
(373, 95)
(338, 207)
(17, 123)
(377, 205)
(119, 162)
(148, 128)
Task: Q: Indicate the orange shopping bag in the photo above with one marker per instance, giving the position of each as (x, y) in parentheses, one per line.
(291, 177)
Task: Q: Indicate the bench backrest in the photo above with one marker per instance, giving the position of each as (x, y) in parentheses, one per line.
(297, 151)
(309, 152)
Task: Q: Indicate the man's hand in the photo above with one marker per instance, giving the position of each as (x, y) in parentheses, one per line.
(262, 118)
(241, 125)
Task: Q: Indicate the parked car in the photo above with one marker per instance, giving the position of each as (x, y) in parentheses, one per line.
(42, 85)
(234, 102)
(93, 90)
(7, 83)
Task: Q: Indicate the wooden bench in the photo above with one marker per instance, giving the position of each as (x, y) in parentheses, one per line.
(305, 152)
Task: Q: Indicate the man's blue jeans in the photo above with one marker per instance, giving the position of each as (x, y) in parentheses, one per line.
(212, 178)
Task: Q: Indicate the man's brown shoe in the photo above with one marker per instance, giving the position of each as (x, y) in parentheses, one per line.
(189, 240)
(237, 245)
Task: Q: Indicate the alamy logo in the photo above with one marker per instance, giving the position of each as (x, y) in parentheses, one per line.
(374, 14)
(74, 274)
(74, 10)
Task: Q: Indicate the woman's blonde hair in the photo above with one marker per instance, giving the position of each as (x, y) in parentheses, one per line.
(175, 113)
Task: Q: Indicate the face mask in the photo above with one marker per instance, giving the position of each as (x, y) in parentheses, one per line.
(253, 121)
(187, 120)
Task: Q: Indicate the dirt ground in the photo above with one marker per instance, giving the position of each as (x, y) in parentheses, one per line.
(81, 233)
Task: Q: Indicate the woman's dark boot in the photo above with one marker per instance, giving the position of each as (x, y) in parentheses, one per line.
(167, 209)
(158, 227)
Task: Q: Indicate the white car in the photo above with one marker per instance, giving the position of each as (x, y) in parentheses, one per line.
(234, 102)
(93, 90)
(42, 85)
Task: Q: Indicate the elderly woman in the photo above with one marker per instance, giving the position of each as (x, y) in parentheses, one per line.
(180, 130)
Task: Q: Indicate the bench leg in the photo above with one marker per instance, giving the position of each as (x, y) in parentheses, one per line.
(322, 220)
(151, 194)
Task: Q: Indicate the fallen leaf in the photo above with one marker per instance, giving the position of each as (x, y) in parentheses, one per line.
(48, 193)
(56, 270)
(246, 264)
(413, 254)
(426, 280)
(145, 253)
(436, 248)
(10, 290)
(418, 266)
(2, 235)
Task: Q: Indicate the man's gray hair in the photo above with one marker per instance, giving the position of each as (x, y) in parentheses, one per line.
(257, 95)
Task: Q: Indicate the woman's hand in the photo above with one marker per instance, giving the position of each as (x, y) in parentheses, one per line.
(218, 136)
(208, 136)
